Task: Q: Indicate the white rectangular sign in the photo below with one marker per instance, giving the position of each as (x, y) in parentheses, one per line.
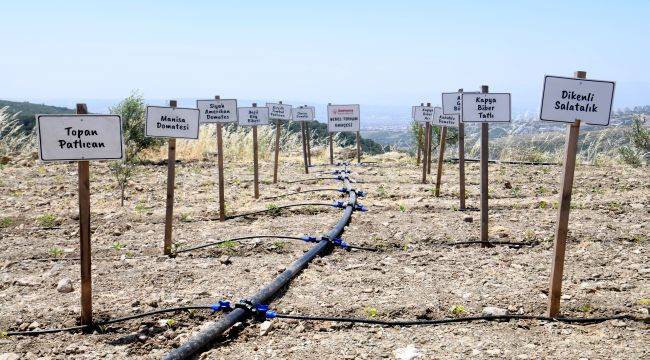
(425, 114)
(451, 103)
(490, 107)
(172, 122)
(279, 111)
(305, 113)
(567, 99)
(343, 118)
(249, 116)
(79, 137)
(446, 120)
(217, 111)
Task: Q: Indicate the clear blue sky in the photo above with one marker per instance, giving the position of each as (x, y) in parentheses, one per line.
(368, 52)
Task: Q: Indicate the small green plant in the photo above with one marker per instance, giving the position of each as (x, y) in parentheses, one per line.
(402, 208)
(6, 222)
(541, 190)
(644, 302)
(614, 206)
(458, 309)
(227, 244)
(279, 245)
(46, 221)
(371, 312)
(4, 334)
(585, 308)
(118, 245)
(55, 251)
(529, 235)
(140, 207)
(273, 209)
(516, 191)
(455, 208)
(170, 323)
(128, 254)
(381, 191)
(542, 204)
(185, 217)
(191, 313)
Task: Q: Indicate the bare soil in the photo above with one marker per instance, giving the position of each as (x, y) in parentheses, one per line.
(415, 275)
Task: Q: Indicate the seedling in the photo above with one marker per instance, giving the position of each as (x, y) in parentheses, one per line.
(371, 312)
(3, 334)
(6, 222)
(278, 245)
(170, 323)
(402, 208)
(185, 217)
(227, 244)
(273, 209)
(644, 302)
(516, 191)
(585, 308)
(541, 190)
(529, 235)
(458, 309)
(542, 204)
(191, 313)
(46, 221)
(140, 208)
(381, 191)
(118, 245)
(55, 251)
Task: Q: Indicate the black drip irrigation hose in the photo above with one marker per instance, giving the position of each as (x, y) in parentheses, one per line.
(252, 237)
(311, 179)
(510, 162)
(275, 209)
(299, 192)
(214, 330)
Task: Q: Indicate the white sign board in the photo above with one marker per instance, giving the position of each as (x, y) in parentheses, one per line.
(451, 103)
(249, 116)
(79, 137)
(446, 120)
(217, 111)
(567, 99)
(172, 122)
(426, 114)
(279, 111)
(305, 113)
(489, 108)
(343, 118)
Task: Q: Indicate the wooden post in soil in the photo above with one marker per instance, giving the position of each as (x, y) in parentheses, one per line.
(278, 127)
(308, 136)
(419, 140)
(461, 161)
(441, 155)
(484, 177)
(304, 147)
(358, 148)
(171, 180)
(425, 152)
(429, 147)
(222, 201)
(256, 174)
(562, 227)
(331, 141)
(83, 170)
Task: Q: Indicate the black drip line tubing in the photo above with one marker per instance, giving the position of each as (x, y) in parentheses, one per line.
(252, 237)
(298, 192)
(275, 208)
(509, 162)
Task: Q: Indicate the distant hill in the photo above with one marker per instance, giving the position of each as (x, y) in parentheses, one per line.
(26, 111)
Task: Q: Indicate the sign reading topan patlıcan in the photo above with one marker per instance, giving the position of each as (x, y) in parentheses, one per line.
(79, 137)
(279, 111)
(172, 122)
(217, 110)
(303, 113)
(446, 120)
(250, 116)
(343, 118)
(485, 107)
(567, 99)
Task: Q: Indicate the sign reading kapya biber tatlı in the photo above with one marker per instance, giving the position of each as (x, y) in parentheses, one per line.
(485, 107)
(79, 137)
(217, 110)
(343, 118)
(569, 99)
(252, 116)
(172, 122)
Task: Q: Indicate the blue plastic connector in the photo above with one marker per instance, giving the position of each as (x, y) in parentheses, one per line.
(360, 207)
(222, 305)
(264, 310)
(339, 204)
(343, 190)
(360, 193)
(308, 238)
(340, 242)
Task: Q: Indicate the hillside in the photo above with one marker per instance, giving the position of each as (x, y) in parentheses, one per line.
(26, 111)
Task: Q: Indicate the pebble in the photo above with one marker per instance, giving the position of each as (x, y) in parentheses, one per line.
(468, 219)
(65, 286)
(265, 328)
(494, 311)
(9, 356)
(300, 328)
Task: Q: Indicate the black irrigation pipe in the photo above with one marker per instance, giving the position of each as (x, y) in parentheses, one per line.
(97, 324)
(455, 160)
(239, 239)
(208, 336)
(275, 209)
(299, 192)
(311, 179)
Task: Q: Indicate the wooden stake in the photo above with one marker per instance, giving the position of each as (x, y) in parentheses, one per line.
(461, 161)
(83, 171)
(222, 202)
(278, 126)
(358, 148)
(331, 149)
(256, 174)
(304, 147)
(441, 155)
(171, 181)
(562, 227)
(308, 136)
(484, 178)
(429, 147)
(419, 140)
(425, 153)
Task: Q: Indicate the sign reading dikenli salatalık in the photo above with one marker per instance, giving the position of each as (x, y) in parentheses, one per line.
(343, 118)
(488, 107)
(79, 137)
(172, 122)
(303, 113)
(425, 114)
(250, 116)
(279, 111)
(566, 99)
(217, 111)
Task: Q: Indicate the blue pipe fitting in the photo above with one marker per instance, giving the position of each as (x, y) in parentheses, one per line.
(222, 305)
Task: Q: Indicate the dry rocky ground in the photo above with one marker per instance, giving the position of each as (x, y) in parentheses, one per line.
(413, 276)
